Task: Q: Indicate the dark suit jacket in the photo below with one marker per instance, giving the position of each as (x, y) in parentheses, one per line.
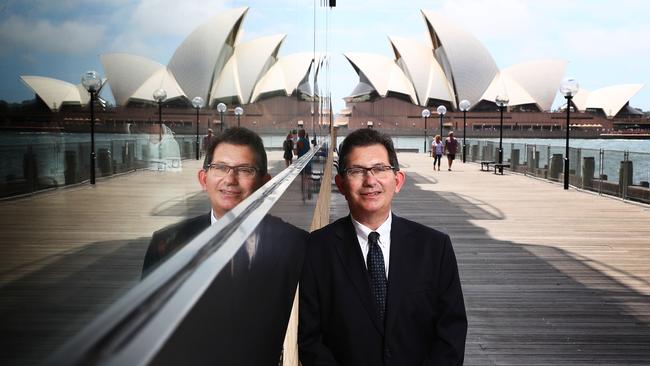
(243, 315)
(425, 313)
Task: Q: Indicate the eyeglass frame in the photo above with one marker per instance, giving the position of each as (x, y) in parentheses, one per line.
(364, 171)
(237, 169)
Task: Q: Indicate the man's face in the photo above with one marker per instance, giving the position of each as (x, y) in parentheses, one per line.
(369, 197)
(228, 191)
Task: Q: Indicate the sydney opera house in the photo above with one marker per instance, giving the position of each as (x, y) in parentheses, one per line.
(280, 92)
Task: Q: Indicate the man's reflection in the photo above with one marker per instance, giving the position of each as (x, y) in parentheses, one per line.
(265, 270)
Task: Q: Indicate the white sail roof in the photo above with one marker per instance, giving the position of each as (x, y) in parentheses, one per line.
(383, 74)
(126, 73)
(203, 54)
(419, 65)
(612, 99)
(285, 75)
(250, 61)
(504, 85)
(468, 65)
(161, 79)
(54, 92)
(540, 78)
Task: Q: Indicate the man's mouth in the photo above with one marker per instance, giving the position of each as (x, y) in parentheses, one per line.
(370, 194)
(228, 193)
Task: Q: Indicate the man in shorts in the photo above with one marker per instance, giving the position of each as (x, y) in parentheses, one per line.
(451, 147)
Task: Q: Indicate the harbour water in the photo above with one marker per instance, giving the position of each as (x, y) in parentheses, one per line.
(53, 152)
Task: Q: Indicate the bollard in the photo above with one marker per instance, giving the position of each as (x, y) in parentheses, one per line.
(557, 164)
(104, 162)
(30, 170)
(514, 159)
(588, 169)
(129, 158)
(536, 160)
(485, 153)
(624, 177)
(70, 170)
(530, 160)
(187, 149)
(146, 153)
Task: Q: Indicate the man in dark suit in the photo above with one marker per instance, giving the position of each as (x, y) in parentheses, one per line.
(378, 289)
(265, 269)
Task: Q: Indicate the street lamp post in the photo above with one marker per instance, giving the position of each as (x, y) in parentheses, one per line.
(502, 103)
(568, 88)
(92, 83)
(159, 96)
(197, 103)
(464, 106)
(221, 108)
(425, 114)
(441, 111)
(238, 112)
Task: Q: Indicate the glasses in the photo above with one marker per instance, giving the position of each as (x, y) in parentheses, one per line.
(378, 171)
(222, 170)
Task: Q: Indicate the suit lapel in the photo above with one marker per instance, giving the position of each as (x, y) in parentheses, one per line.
(350, 255)
(398, 277)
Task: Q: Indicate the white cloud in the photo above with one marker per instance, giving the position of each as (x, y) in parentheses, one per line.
(173, 17)
(67, 37)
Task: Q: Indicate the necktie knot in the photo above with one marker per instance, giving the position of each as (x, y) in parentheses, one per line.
(373, 238)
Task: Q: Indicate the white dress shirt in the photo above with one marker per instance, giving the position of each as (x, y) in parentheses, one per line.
(251, 242)
(384, 239)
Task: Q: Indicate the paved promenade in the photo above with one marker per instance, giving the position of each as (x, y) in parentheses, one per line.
(550, 277)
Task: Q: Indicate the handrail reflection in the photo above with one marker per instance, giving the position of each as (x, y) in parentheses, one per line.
(138, 324)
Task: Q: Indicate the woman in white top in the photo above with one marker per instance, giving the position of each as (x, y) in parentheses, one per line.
(437, 149)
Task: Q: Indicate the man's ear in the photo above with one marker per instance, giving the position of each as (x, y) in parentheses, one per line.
(340, 184)
(400, 178)
(203, 176)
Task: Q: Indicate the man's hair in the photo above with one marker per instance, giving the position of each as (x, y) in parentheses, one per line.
(243, 137)
(366, 137)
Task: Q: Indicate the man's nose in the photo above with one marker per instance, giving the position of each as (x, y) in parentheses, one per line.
(231, 177)
(369, 179)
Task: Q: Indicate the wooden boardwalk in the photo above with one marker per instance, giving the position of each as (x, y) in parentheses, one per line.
(550, 277)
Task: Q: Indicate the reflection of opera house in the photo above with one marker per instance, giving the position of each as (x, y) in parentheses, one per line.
(210, 63)
(276, 92)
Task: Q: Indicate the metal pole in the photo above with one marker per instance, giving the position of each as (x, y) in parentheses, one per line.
(221, 124)
(566, 153)
(464, 133)
(238, 121)
(197, 134)
(160, 120)
(501, 136)
(93, 157)
(441, 117)
(425, 135)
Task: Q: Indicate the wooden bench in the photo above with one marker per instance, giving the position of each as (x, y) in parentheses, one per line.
(486, 164)
(500, 167)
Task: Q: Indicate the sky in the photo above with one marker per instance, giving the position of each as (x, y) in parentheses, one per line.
(605, 42)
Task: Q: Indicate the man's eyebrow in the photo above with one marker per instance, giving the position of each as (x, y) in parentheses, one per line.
(233, 165)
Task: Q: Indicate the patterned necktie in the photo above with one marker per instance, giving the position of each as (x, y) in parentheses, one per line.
(377, 271)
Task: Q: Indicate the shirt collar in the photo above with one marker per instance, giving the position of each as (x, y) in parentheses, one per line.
(383, 230)
(213, 219)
